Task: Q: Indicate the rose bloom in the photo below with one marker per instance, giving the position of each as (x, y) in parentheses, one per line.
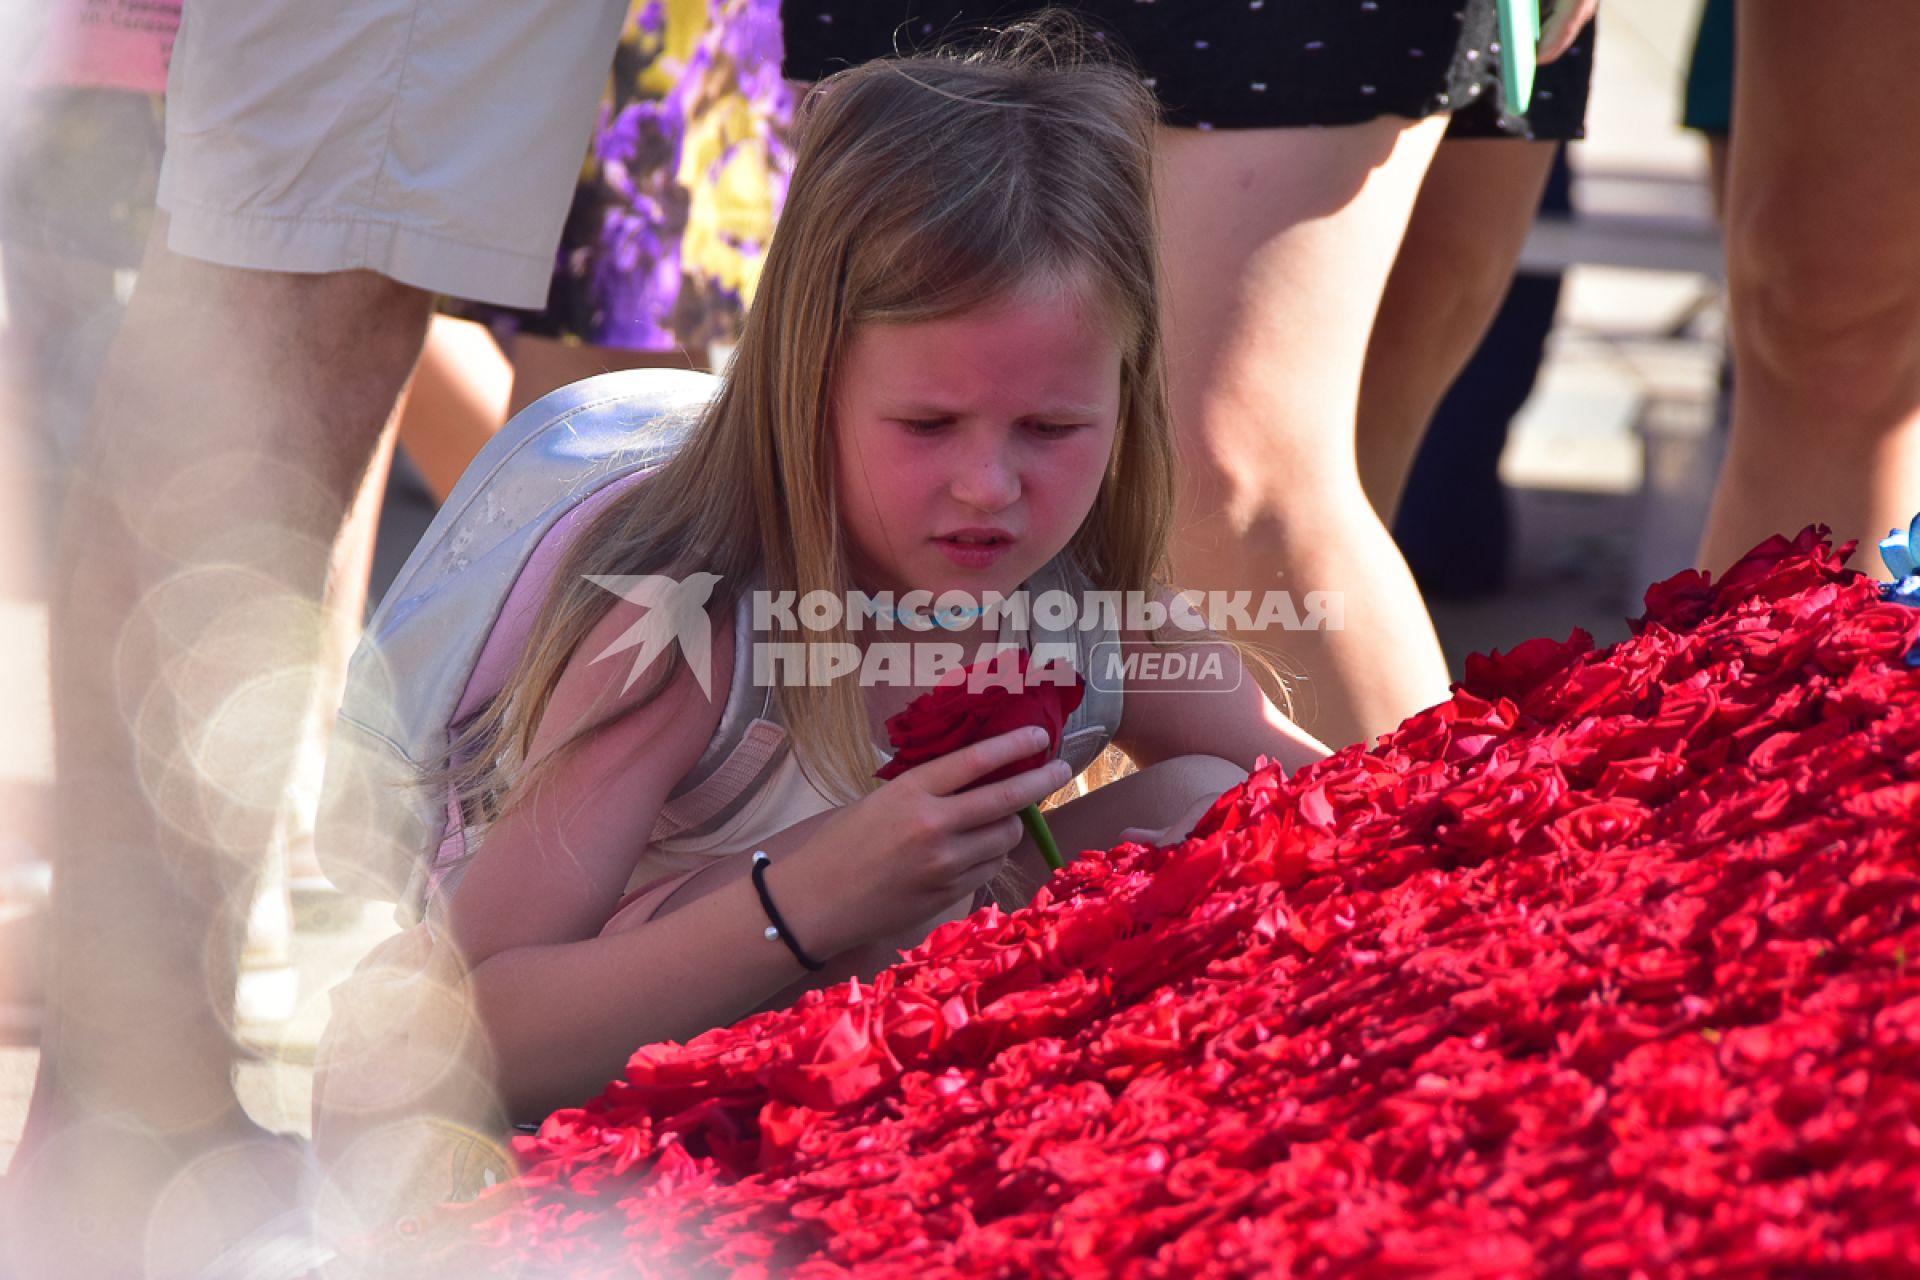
(990, 698)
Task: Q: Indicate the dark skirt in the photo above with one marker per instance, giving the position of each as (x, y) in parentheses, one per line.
(1250, 64)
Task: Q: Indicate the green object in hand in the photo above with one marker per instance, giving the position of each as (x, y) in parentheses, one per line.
(1037, 828)
(1519, 45)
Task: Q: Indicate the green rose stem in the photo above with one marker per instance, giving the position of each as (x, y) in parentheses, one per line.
(1037, 828)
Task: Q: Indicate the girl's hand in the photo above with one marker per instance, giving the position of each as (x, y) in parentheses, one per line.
(1174, 832)
(924, 840)
(1564, 22)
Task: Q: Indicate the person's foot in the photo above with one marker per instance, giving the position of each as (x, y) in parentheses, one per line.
(99, 1198)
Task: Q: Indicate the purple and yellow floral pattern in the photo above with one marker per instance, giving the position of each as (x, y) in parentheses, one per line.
(679, 191)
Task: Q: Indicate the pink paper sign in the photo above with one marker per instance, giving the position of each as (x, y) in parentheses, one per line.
(107, 44)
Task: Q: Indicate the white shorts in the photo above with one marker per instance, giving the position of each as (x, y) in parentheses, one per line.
(437, 142)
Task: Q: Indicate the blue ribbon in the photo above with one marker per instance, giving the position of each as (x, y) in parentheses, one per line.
(1901, 551)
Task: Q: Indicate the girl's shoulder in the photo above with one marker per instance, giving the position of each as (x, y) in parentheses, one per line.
(626, 719)
(654, 671)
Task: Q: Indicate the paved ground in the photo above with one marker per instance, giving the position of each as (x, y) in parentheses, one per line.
(1607, 465)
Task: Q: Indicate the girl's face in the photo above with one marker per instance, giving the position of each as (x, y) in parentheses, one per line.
(971, 448)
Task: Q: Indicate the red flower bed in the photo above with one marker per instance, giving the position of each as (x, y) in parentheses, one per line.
(1610, 966)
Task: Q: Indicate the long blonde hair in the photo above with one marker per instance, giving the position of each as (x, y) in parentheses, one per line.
(922, 187)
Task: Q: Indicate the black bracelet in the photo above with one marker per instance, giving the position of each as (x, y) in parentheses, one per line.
(778, 929)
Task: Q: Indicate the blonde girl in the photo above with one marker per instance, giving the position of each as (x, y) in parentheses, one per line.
(950, 380)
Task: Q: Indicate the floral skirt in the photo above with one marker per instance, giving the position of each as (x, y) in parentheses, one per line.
(680, 188)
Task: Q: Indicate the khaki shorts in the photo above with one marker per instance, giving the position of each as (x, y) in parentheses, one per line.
(437, 142)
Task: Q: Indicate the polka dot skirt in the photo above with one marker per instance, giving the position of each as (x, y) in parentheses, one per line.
(1251, 64)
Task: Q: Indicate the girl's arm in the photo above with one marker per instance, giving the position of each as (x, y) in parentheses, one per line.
(562, 1018)
(563, 1003)
(1194, 727)
(563, 1007)
(1205, 703)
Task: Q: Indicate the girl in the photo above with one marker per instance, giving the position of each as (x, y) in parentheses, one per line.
(950, 379)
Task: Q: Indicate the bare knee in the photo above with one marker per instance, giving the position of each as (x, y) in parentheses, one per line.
(1831, 316)
(1269, 508)
(1183, 779)
(1203, 766)
(1460, 286)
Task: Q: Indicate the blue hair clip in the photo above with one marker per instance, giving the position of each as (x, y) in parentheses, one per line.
(1901, 551)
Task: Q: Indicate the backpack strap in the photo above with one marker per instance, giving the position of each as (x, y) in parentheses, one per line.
(745, 747)
(1094, 722)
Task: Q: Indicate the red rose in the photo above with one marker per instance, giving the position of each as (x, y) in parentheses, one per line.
(1777, 568)
(1680, 601)
(1594, 828)
(1525, 667)
(996, 696)
(1878, 633)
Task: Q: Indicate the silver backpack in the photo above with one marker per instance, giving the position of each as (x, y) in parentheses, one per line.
(454, 622)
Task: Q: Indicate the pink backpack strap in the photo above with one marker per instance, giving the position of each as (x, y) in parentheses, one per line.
(506, 641)
(748, 743)
(714, 799)
(512, 629)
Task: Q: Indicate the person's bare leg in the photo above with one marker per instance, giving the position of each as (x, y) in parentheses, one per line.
(1279, 243)
(1456, 261)
(24, 787)
(344, 609)
(456, 402)
(1823, 276)
(232, 430)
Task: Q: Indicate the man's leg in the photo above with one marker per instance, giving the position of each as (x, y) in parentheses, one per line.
(237, 416)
